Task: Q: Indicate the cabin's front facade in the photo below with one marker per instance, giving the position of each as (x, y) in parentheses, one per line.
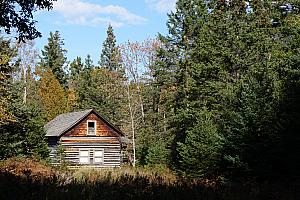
(84, 139)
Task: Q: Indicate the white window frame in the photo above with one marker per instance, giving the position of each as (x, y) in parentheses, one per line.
(88, 156)
(87, 127)
(95, 157)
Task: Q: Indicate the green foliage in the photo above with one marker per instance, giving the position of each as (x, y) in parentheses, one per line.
(77, 66)
(54, 58)
(201, 152)
(158, 154)
(110, 55)
(103, 90)
(88, 63)
(25, 136)
(233, 62)
(22, 134)
(19, 15)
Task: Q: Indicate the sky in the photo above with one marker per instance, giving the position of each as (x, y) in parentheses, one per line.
(82, 24)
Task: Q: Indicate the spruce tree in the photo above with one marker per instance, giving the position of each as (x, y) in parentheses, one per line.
(54, 57)
(76, 67)
(201, 152)
(110, 55)
(101, 89)
(88, 62)
(176, 68)
(232, 59)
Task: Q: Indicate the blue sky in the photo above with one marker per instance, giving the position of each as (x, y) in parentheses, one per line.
(83, 23)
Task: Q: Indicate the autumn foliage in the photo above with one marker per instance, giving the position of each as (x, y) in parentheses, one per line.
(52, 94)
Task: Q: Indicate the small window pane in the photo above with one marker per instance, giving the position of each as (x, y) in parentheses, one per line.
(84, 153)
(91, 124)
(98, 160)
(91, 128)
(84, 160)
(98, 153)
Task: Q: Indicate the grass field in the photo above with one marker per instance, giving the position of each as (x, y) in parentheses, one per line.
(28, 179)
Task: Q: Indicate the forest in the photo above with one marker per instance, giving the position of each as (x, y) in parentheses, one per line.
(217, 98)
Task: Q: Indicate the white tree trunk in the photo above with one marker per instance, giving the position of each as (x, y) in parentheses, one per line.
(24, 69)
(132, 123)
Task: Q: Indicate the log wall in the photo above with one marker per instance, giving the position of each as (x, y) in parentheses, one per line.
(76, 139)
(109, 145)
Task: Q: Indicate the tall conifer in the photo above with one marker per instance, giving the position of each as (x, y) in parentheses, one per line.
(110, 55)
(54, 57)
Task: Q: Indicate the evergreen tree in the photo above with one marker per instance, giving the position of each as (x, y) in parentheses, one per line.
(25, 136)
(101, 89)
(176, 67)
(54, 58)
(228, 57)
(158, 154)
(110, 55)
(76, 67)
(88, 63)
(201, 151)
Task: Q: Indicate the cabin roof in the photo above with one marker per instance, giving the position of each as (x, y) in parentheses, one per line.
(64, 122)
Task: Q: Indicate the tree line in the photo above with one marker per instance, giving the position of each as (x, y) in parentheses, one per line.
(216, 96)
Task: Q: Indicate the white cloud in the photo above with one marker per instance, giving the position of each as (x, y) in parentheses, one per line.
(84, 13)
(162, 6)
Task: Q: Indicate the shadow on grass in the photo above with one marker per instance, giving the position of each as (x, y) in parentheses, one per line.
(27, 179)
(130, 187)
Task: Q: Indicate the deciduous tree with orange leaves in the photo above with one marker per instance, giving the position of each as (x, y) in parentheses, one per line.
(52, 94)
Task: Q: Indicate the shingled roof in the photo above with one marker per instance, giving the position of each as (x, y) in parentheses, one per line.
(62, 123)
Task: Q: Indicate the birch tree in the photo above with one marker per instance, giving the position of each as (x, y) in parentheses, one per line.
(27, 56)
(136, 58)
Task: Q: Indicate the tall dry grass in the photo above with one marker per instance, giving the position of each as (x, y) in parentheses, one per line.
(29, 179)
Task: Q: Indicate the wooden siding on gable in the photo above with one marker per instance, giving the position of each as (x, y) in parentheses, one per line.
(102, 129)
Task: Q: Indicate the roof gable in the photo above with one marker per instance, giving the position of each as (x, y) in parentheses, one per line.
(64, 122)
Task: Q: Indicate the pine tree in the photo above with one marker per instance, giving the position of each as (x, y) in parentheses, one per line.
(54, 58)
(176, 67)
(88, 62)
(101, 89)
(110, 55)
(228, 58)
(201, 152)
(25, 136)
(76, 67)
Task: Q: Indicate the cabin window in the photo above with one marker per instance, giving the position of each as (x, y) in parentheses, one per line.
(84, 156)
(98, 156)
(91, 127)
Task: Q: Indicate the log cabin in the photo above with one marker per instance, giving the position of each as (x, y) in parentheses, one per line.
(85, 138)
